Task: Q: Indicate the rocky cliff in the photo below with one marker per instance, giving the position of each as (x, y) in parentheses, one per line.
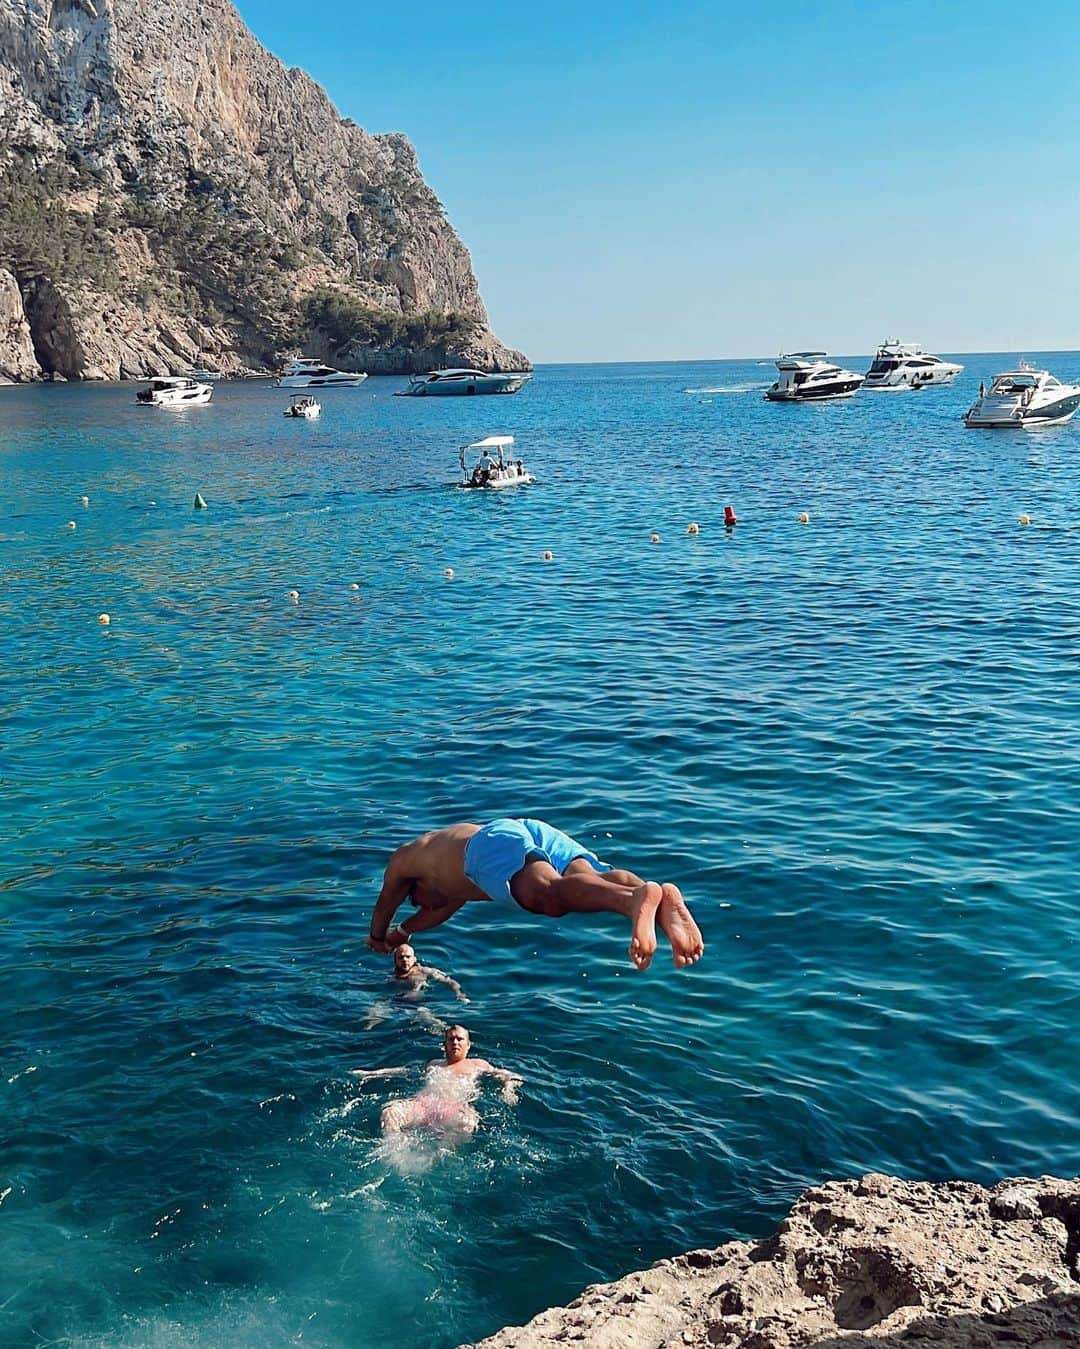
(857, 1264)
(172, 195)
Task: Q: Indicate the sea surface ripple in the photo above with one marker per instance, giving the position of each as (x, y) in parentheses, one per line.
(854, 743)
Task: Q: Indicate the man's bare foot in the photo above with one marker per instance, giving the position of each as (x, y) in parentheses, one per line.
(643, 924)
(679, 928)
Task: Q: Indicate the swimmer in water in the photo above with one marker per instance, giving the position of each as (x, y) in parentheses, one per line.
(408, 970)
(445, 1103)
(542, 870)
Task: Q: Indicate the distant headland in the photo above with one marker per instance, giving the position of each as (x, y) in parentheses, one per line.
(172, 196)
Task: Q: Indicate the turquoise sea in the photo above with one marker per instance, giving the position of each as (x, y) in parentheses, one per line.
(854, 743)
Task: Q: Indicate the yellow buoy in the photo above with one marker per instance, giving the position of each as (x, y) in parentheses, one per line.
(71, 524)
(1025, 519)
(693, 528)
(104, 620)
(804, 518)
(294, 595)
(549, 556)
(655, 538)
(449, 573)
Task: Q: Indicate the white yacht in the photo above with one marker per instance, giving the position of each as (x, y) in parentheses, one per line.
(904, 365)
(442, 382)
(493, 471)
(1024, 397)
(806, 376)
(302, 373)
(174, 391)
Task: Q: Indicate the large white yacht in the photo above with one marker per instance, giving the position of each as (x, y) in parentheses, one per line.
(442, 382)
(1024, 397)
(904, 365)
(302, 373)
(174, 391)
(806, 376)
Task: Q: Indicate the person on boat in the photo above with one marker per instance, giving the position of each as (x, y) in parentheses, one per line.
(539, 868)
(451, 1086)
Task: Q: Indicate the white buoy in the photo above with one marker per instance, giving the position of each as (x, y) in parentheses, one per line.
(85, 501)
(549, 556)
(804, 518)
(104, 620)
(1025, 519)
(294, 595)
(71, 524)
(655, 538)
(693, 527)
(199, 504)
(354, 586)
(449, 573)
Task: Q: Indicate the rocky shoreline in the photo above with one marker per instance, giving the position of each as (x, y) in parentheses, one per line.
(864, 1262)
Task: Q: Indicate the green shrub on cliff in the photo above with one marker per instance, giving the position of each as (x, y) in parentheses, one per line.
(345, 323)
(40, 237)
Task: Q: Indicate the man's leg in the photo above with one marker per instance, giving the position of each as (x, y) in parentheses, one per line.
(539, 888)
(676, 920)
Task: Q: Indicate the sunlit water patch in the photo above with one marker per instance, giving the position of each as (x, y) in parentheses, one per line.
(853, 742)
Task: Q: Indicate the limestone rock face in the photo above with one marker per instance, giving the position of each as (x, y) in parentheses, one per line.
(857, 1264)
(17, 359)
(164, 170)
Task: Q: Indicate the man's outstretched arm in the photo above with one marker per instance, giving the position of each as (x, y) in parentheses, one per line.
(452, 984)
(395, 888)
(508, 1082)
(422, 920)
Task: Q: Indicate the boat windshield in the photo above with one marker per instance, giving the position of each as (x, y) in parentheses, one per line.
(1014, 382)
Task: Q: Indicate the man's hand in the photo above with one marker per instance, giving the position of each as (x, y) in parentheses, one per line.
(397, 936)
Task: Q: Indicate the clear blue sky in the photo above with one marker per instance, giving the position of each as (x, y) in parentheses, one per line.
(646, 181)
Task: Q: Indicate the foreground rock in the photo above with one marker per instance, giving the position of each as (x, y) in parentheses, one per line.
(856, 1263)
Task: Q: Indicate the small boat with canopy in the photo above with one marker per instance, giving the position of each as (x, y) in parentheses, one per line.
(489, 464)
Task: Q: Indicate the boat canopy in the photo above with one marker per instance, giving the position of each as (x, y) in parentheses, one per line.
(491, 443)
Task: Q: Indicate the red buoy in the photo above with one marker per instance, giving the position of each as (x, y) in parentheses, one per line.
(730, 518)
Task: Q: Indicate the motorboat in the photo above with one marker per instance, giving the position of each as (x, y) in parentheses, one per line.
(303, 407)
(174, 391)
(904, 365)
(1024, 397)
(300, 373)
(448, 382)
(807, 376)
(492, 465)
(207, 373)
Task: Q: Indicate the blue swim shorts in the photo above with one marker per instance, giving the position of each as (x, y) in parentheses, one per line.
(496, 854)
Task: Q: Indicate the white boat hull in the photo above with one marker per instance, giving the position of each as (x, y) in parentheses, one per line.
(518, 480)
(901, 379)
(340, 379)
(182, 399)
(448, 388)
(824, 395)
(1001, 413)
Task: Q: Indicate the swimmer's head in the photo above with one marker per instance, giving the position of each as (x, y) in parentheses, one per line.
(457, 1044)
(404, 960)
